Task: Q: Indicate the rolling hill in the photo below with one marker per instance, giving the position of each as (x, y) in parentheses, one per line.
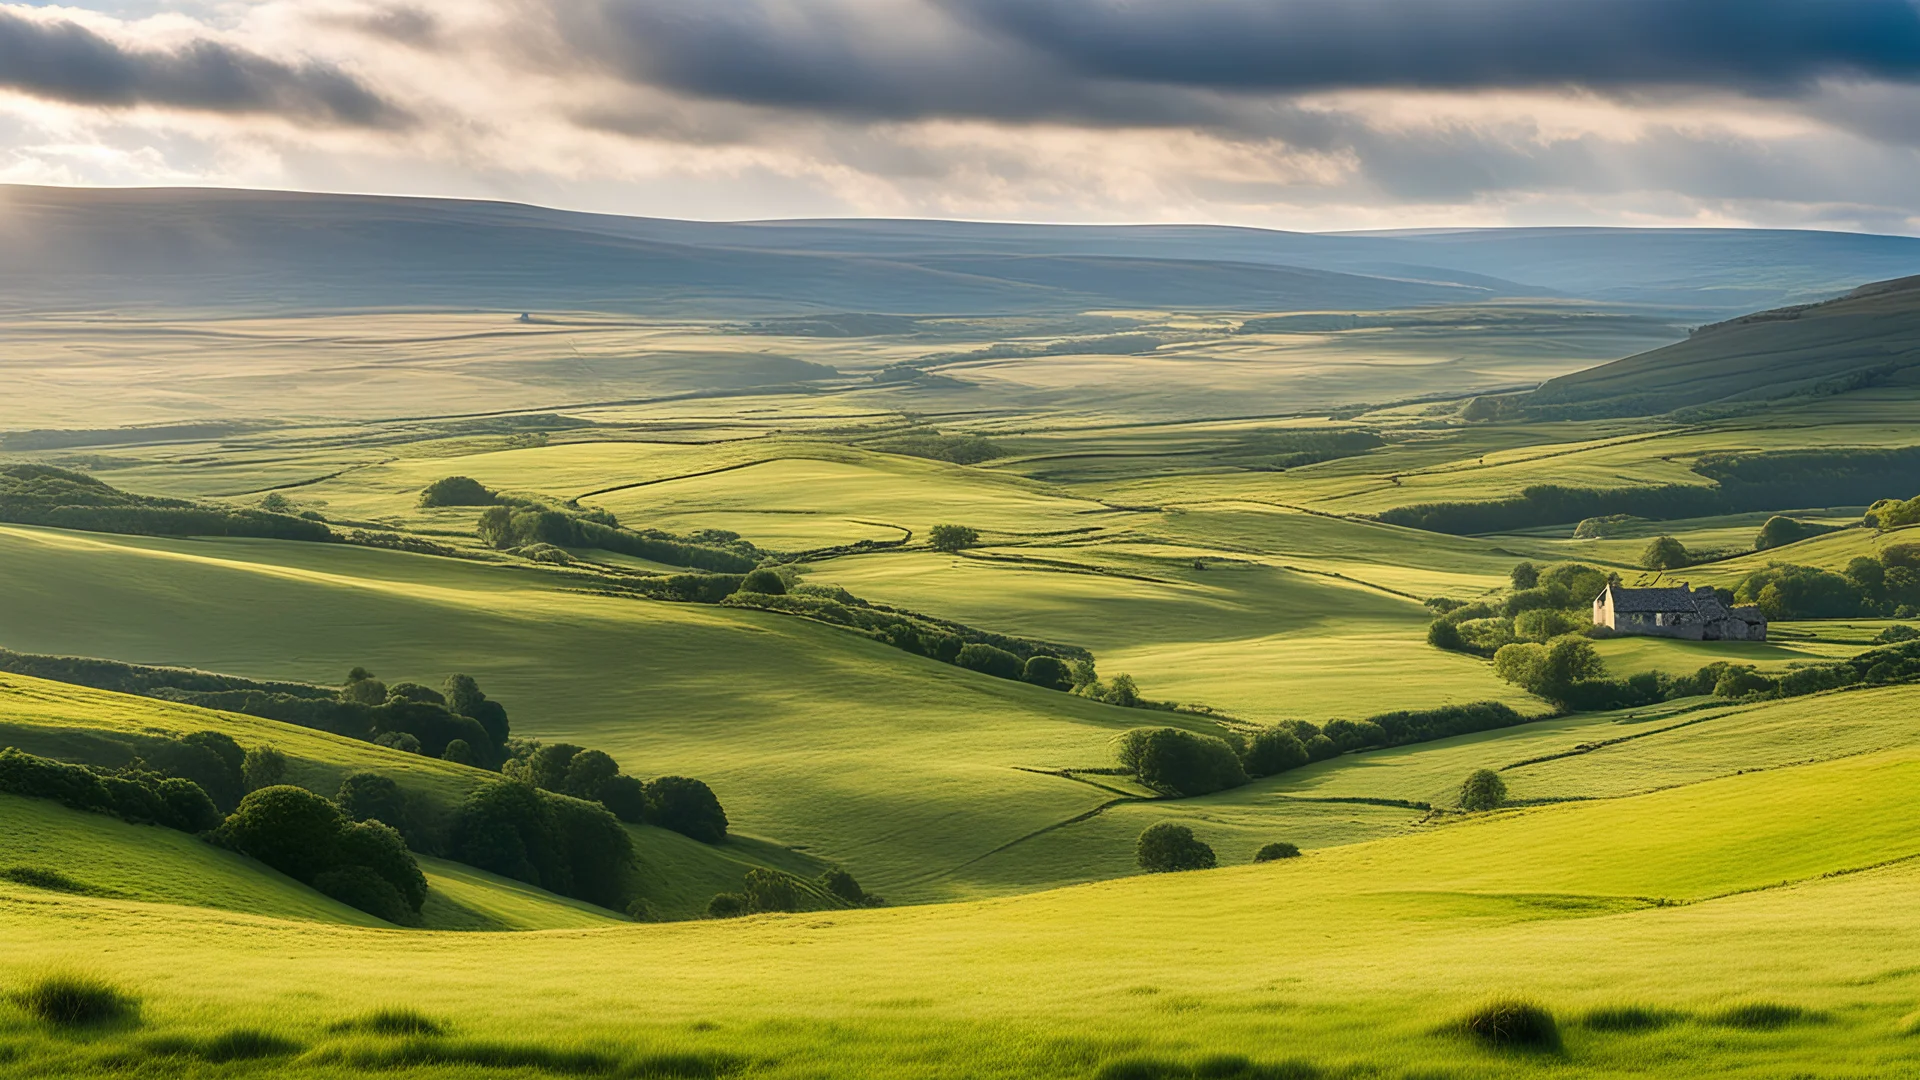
(205, 250)
(1869, 337)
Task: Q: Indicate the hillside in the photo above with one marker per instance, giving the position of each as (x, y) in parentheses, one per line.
(1869, 337)
(1744, 925)
(138, 250)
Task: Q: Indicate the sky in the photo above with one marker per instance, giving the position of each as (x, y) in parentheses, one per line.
(1295, 114)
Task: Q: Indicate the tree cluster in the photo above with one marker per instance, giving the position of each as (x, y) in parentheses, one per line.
(1544, 603)
(557, 842)
(1871, 586)
(132, 795)
(681, 804)
(1165, 847)
(64, 499)
(364, 864)
(520, 524)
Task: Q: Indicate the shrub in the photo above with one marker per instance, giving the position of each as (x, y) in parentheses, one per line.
(362, 688)
(954, 537)
(1444, 634)
(597, 851)
(359, 887)
(263, 767)
(71, 1000)
(463, 696)
(1349, 735)
(408, 691)
(1740, 681)
(1781, 531)
(727, 905)
(457, 491)
(1893, 635)
(771, 890)
(1525, 576)
(989, 660)
(764, 581)
(688, 807)
(1279, 849)
(460, 752)
(1180, 763)
(290, 829)
(625, 797)
(1165, 847)
(587, 773)
(185, 806)
(1512, 1024)
(1048, 671)
(379, 848)
(1544, 624)
(507, 828)
(1483, 790)
(841, 884)
(372, 797)
(1665, 553)
(1273, 750)
(404, 741)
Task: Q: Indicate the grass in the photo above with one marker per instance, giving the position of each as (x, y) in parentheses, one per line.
(74, 1001)
(1342, 991)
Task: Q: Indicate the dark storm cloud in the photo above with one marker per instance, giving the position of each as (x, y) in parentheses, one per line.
(1131, 61)
(64, 61)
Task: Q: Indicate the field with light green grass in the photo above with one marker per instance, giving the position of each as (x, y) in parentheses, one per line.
(1702, 885)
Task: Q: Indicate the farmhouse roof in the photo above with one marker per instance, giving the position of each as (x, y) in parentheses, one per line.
(1657, 600)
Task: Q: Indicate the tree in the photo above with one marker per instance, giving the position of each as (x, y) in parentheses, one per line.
(547, 767)
(369, 796)
(1179, 762)
(771, 890)
(764, 581)
(457, 491)
(954, 537)
(841, 884)
(290, 829)
(1165, 847)
(587, 773)
(460, 752)
(989, 660)
(1279, 849)
(626, 797)
(727, 905)
(464, 697)
(1525, 576)
(1665, 553)
(508, 829)
(1483, 790)
(1273, 750)
(1048, 671)
(688, 807)
(379, 848)
(363, 688)
(263, 767)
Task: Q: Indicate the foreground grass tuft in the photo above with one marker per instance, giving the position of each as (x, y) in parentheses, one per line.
(50, 880)
(1214, 1067)
(1631, 1018)
(1761, 1016)
(240, 1044)
(71, 1001)
(1512, 1024)
(401, 1022)
(532, 1057)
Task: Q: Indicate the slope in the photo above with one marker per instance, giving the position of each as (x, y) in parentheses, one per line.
(1871, 336)
(1681, 904)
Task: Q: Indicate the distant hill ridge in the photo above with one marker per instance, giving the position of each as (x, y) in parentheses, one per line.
(1868, 337)
(207, 250)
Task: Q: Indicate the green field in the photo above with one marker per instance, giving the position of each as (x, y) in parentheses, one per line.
(1199, 513)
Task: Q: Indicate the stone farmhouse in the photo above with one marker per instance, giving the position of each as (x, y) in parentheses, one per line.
(1693, 614)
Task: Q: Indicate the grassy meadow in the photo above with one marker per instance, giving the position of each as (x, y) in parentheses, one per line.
(1709, 884)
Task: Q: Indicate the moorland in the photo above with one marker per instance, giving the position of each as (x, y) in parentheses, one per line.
(462, 639)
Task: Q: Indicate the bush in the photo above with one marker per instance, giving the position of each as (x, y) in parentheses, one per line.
(989, 660)
(587, 773)
(1512, 1024)
(841, 884)
(1665, 553)
(460, 752)
(1272, 751)
(1165, 847)
(1279, 849)
(305, 837)
(954, 537)
(1048, 671)
(457, 491)
(1548, 670)
(598, 852)
(727, 905)
(625, 797)
(1350, 735)
(404, 741)
(359, 887)
(1893, 635)
(1180, 763)
(688, 807)
(1525, 576)
(771, 890)
(141, 798)
(1781, 531)
(378, 848)
(1483, 790)
(263, 767)
(765, 582)
(69, 1001)
(463, 697)
(372, 797)
(508, 829)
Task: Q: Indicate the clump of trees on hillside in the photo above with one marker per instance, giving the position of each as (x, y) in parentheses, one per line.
(1544, 603)
(64, 499)
(1870, 586)
(954, 537)
(134, 795)
(539, 529)
(1181, 763)
(1893, 513)
(1168, 848)
(364, 864)
(1780, 531)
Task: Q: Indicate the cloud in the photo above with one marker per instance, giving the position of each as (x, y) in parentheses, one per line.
(61, 60)
(1138, 61)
